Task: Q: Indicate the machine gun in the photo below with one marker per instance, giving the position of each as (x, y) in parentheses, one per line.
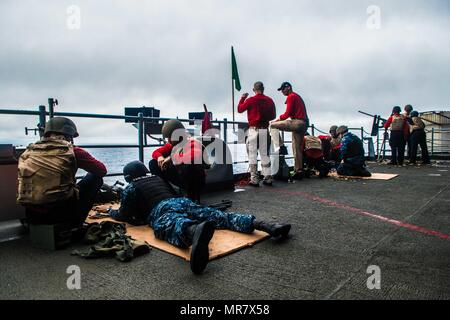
(375, 131)
(376, 123)
(110, 193)
(223, 205)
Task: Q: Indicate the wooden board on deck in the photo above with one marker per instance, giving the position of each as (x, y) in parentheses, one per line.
(375, 176)
(223, 242)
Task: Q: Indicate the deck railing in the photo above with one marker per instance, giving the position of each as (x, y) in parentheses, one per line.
(224, 125)
(42, 113)
(438, 141)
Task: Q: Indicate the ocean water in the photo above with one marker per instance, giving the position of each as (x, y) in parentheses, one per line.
(116, 158)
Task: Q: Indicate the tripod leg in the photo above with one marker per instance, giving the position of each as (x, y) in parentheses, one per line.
(379, 158)
(381, 152)
(383, 146)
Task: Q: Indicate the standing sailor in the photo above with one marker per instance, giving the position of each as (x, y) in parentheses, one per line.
(407, 113)
(418, 137)
(260, 111)
(399, 133)
(294, 120)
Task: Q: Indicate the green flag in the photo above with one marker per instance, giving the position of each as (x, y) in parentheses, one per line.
(234, 69)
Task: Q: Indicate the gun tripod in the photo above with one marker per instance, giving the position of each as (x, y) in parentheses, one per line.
(382, 151)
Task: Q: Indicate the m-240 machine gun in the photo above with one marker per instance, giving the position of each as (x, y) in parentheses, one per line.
(110, 193)
(378, 123)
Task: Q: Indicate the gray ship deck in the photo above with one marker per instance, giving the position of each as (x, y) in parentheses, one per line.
(338, 231)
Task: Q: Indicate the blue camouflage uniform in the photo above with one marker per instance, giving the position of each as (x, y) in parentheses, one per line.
(352, 152)
(171, 216)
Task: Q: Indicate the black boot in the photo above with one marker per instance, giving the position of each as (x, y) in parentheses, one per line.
(297, 175)
(201, 235)
(283, 151)
(365, 173)
(274, 229)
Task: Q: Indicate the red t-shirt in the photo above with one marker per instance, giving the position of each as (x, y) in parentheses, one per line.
(295, 108)
(191, 153)
(163, 151)
(260, 110)
(88, 163)
(337, 146)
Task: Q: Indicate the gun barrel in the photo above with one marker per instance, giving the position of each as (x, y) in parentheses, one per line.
(373, 116)
(367, 114)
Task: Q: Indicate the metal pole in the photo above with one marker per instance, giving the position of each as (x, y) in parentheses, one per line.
(145, 134)
(362, 138)
(312, 129)
(378, 144)
(50, 107)
(141, 136)
(42, 120)
(432, 141)
(225, 140)
(232, 98)
(225, 128)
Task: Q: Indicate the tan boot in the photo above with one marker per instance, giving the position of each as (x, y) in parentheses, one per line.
(254, 175)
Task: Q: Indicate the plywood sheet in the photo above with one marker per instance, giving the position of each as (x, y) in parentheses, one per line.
(223, 242)
(375, 176)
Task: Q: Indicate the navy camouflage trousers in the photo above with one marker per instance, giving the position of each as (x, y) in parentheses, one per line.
(170, 218)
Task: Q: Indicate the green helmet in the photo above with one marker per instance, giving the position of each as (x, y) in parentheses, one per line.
(342, 130)
(170, 126)
(61, 125)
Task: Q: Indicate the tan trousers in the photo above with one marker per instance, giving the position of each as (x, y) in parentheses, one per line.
(298, 129)
(258, 140)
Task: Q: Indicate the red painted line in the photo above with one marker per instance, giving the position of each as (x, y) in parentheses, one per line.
(398, 223)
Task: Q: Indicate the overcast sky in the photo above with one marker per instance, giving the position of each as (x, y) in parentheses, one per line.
(175, 55)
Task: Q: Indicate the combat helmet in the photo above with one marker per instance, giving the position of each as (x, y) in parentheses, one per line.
(170, 126)
(61, 125)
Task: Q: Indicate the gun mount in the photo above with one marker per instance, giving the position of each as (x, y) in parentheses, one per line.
(376, 125)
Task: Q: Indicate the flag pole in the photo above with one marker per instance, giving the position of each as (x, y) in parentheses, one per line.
(235, 82)
(232, 98)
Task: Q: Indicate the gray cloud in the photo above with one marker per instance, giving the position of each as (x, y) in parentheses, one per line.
(176, 55)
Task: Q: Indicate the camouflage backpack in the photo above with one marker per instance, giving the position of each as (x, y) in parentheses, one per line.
(398, 121)
(46, 172)
(312, 142)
